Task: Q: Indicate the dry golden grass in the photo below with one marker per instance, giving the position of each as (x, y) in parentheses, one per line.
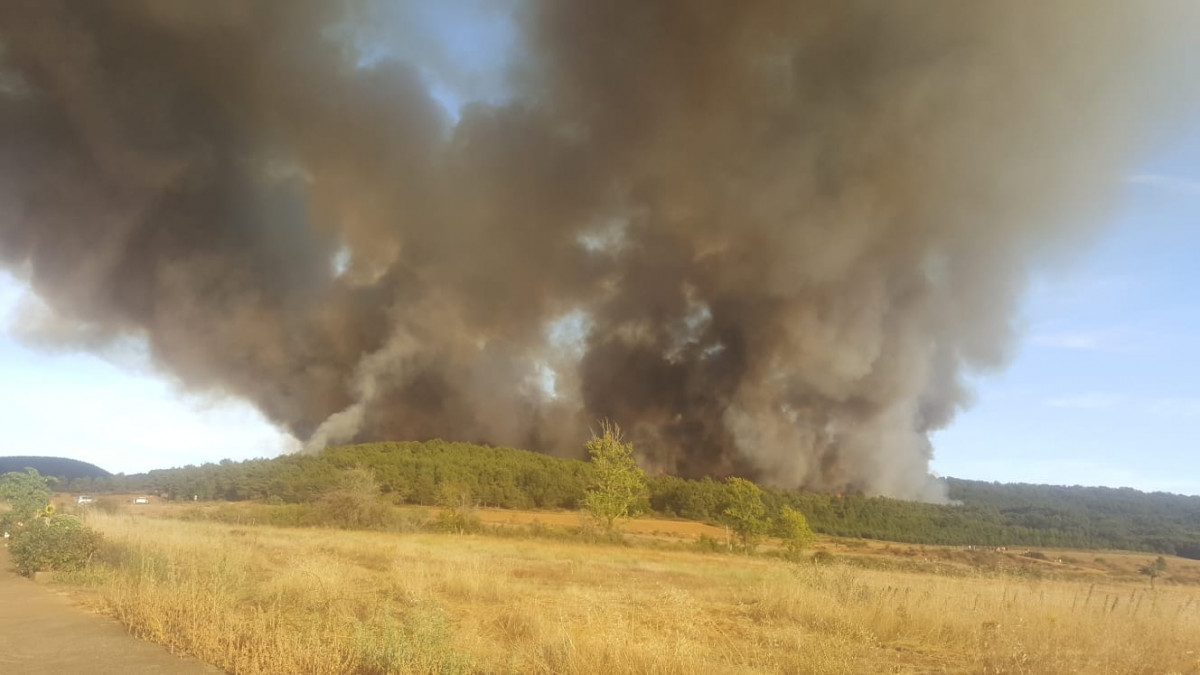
(685, 529)
(255, 599)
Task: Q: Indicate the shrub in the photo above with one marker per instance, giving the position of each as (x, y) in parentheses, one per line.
(355, 504)
(458, 521)
(106, 506)
(54, 543)
(822, 558)
(458, 510)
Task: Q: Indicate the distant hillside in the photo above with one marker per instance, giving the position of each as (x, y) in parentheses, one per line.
(66, 469)
(981, 514)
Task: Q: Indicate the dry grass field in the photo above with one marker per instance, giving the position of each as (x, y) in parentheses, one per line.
(256, 599)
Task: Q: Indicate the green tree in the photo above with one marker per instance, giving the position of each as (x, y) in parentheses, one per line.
(619, 487)
(744, 512)
(794, 529)
(27, 495)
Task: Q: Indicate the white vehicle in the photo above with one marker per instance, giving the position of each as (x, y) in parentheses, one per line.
(142, 500)
(84, 499)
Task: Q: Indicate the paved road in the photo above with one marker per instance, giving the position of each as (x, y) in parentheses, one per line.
(42, 633)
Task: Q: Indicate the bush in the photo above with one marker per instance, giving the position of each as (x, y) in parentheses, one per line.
(356, 503)
(458, 521)
(458, 510)
(106, 506)
(55, 543)
(822, 558)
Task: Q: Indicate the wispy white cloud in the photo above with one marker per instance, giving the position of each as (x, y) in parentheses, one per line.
(1163, 406)
(1117, 338)
(1166, 182)
(1068, 340)
(1058, 295)
(1092, 400)
(1175, 406)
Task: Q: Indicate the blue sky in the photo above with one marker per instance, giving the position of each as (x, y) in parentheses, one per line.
(85, 407)
(1105, 385)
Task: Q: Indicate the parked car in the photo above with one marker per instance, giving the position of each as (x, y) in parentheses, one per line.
(142, 500)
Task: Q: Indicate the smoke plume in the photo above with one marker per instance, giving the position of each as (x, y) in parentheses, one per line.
(768, 238)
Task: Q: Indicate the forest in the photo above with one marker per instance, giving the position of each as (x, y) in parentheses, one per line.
(979, 513)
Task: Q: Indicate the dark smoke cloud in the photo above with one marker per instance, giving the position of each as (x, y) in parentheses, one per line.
(780, 233)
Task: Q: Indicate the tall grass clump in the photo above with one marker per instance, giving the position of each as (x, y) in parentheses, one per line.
(232, 599)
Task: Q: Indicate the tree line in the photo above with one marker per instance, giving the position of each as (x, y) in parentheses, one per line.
(979, 513)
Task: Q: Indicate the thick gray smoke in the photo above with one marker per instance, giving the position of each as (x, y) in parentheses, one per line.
(767, 238)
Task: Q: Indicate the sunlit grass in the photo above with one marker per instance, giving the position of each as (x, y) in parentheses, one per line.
(256, 599)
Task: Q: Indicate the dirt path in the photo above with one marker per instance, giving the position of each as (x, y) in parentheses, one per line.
(43, 633)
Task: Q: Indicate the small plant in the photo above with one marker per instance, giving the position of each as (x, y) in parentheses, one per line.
(105, 506)
(538, 529)
(60, 543)
(822, 558)
(707, 544)
(458, 510)
(1154, 570)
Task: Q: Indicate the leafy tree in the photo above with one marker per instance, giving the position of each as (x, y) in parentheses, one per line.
(794, 529)
(27, 495)
(620, 484)
(745, 513)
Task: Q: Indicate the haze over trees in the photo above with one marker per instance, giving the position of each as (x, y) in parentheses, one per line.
(980, 513)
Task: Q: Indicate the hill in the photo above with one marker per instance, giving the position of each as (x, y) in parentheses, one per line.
(982, 514)
(61, 467)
